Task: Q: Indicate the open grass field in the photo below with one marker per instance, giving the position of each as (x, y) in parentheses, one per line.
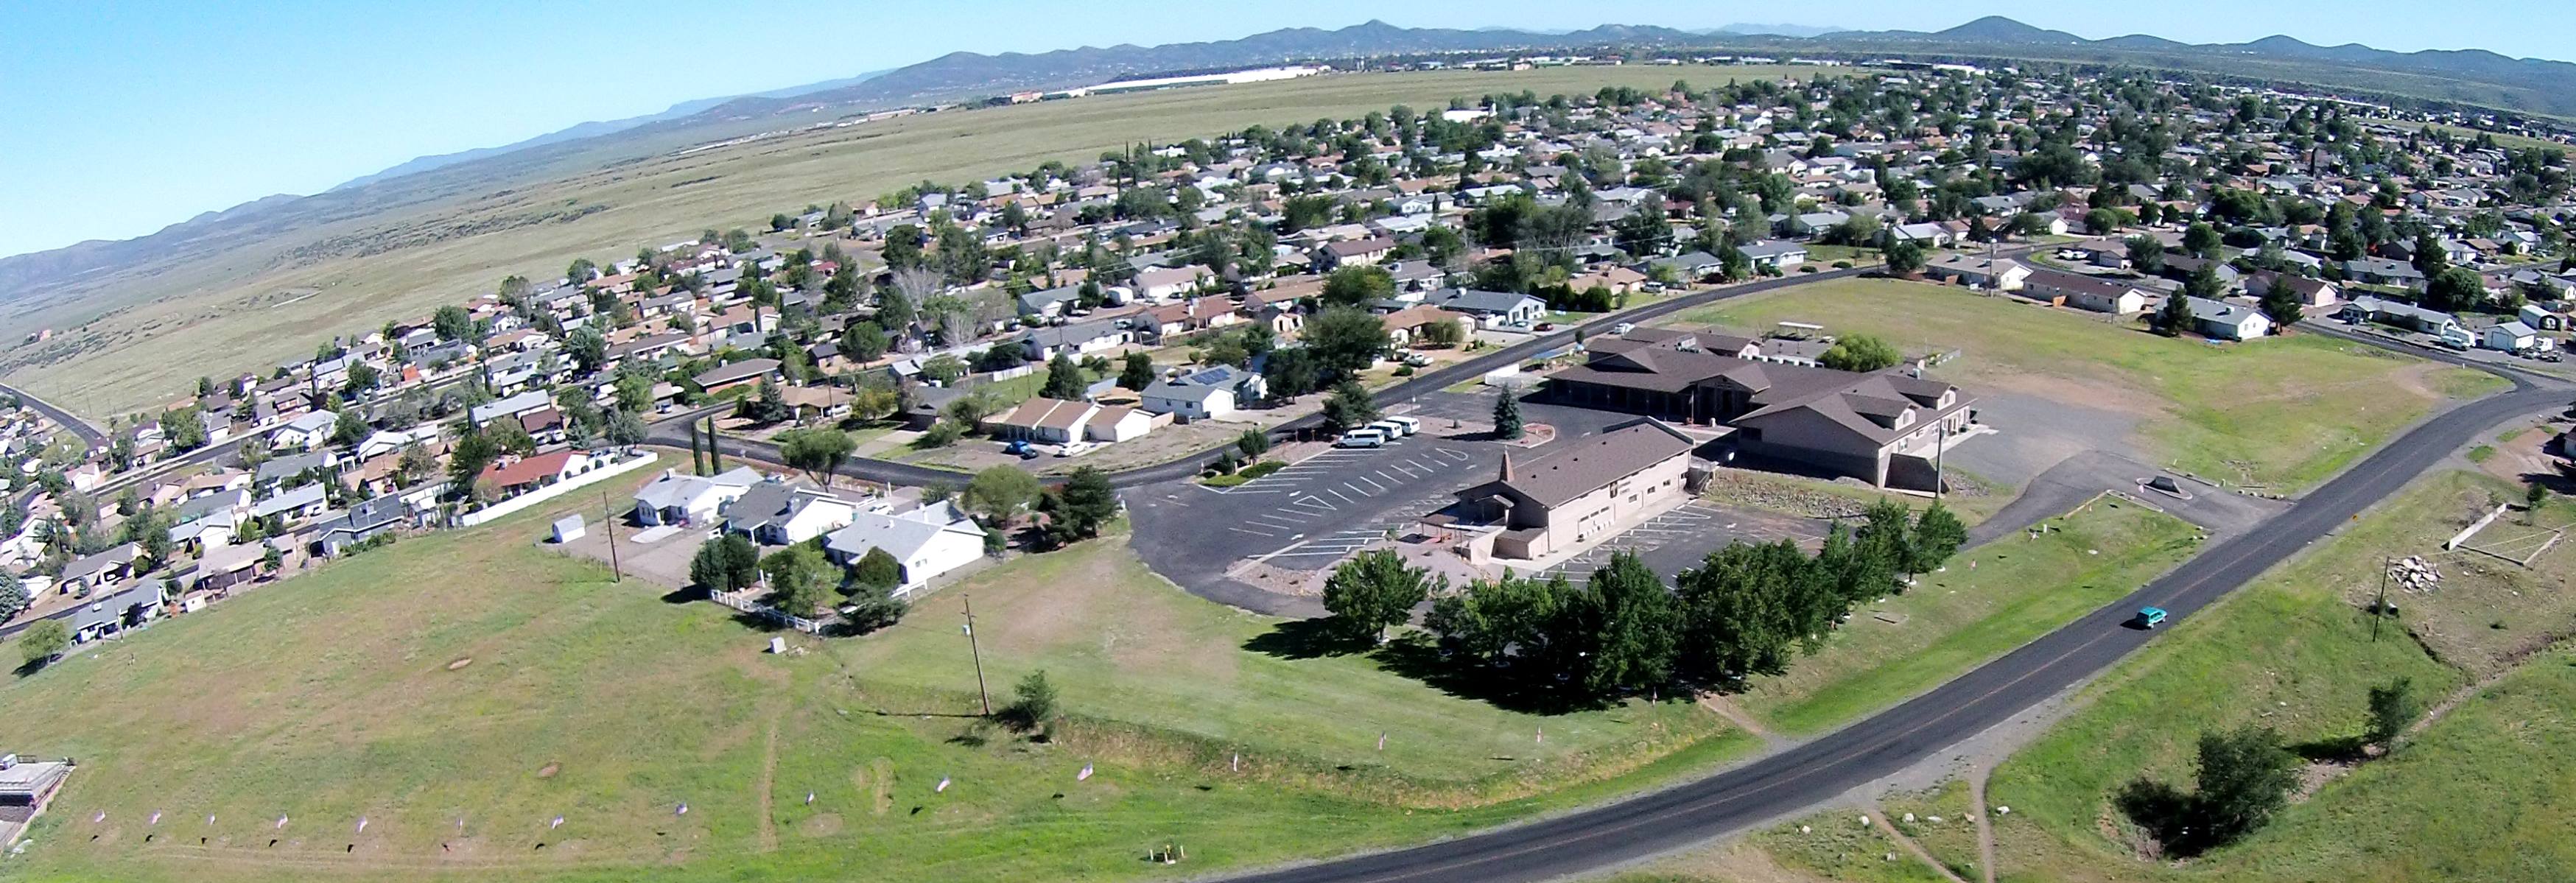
(139, 336)
(2016, 590)
(2483, 793)
(2282, 413)
(339, 696)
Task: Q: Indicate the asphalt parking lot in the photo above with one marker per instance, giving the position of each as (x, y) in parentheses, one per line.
(1313, 512)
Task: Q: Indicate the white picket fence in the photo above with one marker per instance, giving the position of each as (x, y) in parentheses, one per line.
(748, 601)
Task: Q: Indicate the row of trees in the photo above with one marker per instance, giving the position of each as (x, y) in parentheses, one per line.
(1745, 610)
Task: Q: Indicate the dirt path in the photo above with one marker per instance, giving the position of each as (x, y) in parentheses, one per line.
(1878, 816)
(1727, 709)
(1985, 826)
(766, 784)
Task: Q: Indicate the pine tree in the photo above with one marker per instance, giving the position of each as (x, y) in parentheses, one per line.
(1507, 416)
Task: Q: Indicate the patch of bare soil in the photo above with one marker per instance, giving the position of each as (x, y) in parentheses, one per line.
(460, 663)
(1735, 863)
(2087, 392)
(549, 770)
(824, 825)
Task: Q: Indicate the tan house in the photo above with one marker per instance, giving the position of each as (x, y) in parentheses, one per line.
(1587, 490)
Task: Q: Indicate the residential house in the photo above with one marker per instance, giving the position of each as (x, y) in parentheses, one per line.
(676, 499)
(1492, 309)
(293, 505)
(1355, 252)
(91, 572)
(2096, 293)
(515, 477)
(375, 517)
(2226, 321)
(2310, 293)
(1779, 256)
(1076, 340)
(925, 543)
(304, 433)
(510, 407)
(778, 513)
(1988, 274)
(1188, 402)
(2370, 308)
(1163, 283)
(748, 372)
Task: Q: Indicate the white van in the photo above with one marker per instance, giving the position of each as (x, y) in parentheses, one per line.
(1392, 429)
(1411, 426)
(1361, 438)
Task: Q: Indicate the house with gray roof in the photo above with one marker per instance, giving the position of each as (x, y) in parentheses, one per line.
(1492, 309)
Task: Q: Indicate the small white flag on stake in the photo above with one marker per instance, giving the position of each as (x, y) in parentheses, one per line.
(943, 786)
(1381, 741)
(210, 818)
(156, 817)
(281, 822)
(102, 816)
(809, 798)
(1542, 735)
(1083, 776)
(557, 823)
(684, 809)
(1238, 762)
(362, 824)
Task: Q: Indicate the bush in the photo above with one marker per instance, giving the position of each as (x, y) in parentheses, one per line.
(939, 435)
(43, 641)
(1842, 265)
(1810, 268)
(1404, 371)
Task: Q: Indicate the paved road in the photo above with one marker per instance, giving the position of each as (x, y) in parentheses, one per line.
(1892, 740)
(90, 435)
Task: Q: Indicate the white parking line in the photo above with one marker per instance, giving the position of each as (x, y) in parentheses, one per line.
(1256, 533)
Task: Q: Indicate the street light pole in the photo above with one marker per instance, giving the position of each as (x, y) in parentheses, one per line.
(2379, 608)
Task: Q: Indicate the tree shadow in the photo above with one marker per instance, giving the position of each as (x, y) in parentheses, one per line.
(1304, 639)
(1418, 656)
(684, 596)
(758, 622)
(30, 667)
(2163, 811)
(2332, 749)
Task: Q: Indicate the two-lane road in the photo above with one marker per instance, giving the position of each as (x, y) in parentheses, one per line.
(1815, 772)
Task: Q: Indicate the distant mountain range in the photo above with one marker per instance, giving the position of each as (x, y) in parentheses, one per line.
(597, 128)
(2473, 77)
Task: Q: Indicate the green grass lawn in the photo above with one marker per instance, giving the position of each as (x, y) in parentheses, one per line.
(2018, 590)
(2283, 413)
(331, 698)
(2484, 794)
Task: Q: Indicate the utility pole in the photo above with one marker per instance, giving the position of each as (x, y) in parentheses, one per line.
(2379, 608)
(608, 525)
(973, 647)
(1940, 475)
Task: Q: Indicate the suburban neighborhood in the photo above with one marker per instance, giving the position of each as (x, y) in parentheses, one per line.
(1707, 400)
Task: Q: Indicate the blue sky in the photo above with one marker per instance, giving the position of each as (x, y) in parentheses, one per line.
(125, 117)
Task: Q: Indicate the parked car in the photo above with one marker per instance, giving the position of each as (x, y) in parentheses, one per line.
(1390, 428)
(1361, 438)
(1411, 426)
(1075, 449)
(1623, 327)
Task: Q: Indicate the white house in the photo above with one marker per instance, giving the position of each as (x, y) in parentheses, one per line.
(927, 542)
(1188, 401)
(1781, 256)
(676, 499)
(1995, 274)
(781, 514)
(304, 433)
(1162, 283)
(390, 441)
(2227, 321)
